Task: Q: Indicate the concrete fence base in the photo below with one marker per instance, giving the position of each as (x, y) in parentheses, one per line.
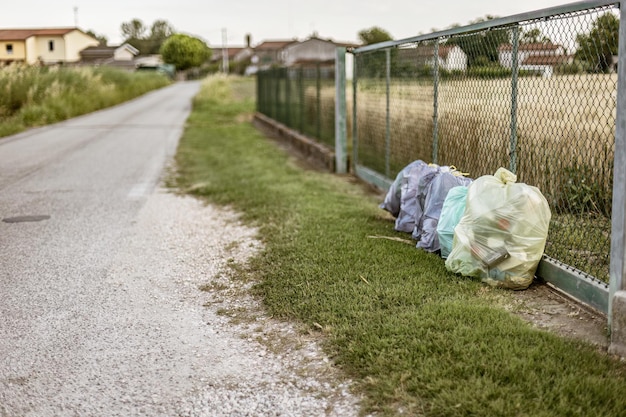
(310, 150)
(618, 325)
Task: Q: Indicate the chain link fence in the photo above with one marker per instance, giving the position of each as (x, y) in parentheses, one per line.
(302, 98)
(536, 95)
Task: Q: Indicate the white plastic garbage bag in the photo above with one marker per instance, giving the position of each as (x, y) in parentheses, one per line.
(502, 234)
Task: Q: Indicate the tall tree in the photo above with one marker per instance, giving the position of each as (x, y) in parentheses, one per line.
(373, 64)
(135, 29)
(374, 35)
(482, 47)
(534, 36)
(159, 32)
(101, 38)
(146, 41)
(596, 48)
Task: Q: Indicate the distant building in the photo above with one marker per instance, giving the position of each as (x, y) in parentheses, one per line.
(119, 56)
(449, 57)
(540, 57)
(286, 52)
(44, 46)
(102, 54)
(269, 53)
(310, 51)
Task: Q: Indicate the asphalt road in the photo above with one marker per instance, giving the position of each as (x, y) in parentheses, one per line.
(100, 269)
(91, 176)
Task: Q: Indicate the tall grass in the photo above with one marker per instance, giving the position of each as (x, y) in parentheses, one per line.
(35, 96)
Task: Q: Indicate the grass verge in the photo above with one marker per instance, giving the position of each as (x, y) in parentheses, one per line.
(416, 339)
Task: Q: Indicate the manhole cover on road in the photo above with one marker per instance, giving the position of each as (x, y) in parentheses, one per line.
(23, 219)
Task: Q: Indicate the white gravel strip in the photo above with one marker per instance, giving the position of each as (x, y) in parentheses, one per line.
(169, 334)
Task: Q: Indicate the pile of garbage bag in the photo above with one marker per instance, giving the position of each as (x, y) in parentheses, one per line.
(416, 197)
(492, 228)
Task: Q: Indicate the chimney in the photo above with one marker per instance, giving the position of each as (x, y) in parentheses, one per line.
(248, 40)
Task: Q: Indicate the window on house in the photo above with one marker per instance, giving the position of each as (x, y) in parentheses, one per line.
(9, 49)
(50, 46)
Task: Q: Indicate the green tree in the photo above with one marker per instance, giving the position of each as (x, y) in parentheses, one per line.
(374, 35)
(101, 38)
(159, 32)
(482, 47)
(135, 29)
(534, 36)
(373, 64)
(184, 51)
(148, 42)
(596, 48)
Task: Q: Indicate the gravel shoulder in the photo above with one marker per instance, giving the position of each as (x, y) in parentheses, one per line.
(163, 337)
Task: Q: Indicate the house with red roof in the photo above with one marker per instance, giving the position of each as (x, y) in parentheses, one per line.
(541, 57)
(44, 46)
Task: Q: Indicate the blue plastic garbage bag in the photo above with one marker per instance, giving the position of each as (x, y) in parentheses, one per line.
(451, 213)
(426, 230)
(412, 196)
(391, 203)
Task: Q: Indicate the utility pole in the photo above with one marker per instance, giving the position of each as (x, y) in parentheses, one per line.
(224, 52)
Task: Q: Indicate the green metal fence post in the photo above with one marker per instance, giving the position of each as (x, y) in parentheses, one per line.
(276, 79)
(287, 98)
(341, 147)
(301, 98)
(355, 136)
(258, 92)
(436, 102)
(318, 112)
(514, 90)
(388, 113)
(617, 293)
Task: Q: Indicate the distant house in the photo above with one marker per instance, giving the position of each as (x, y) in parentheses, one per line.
(312, 50)
(449, 57)
(121, 56)
(234, 54)
(101, 53)
(540, 57)
(44, 46)
(269, 53)
(280, 53)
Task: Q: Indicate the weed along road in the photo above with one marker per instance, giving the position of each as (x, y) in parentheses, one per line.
(101, 312)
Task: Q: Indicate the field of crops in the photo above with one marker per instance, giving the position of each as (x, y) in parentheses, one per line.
(563, 123)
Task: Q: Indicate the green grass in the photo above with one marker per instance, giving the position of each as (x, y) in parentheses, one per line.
(416, 339)
(33, 96)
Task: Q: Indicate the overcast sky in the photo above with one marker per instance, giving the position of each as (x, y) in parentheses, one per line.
(263, 19)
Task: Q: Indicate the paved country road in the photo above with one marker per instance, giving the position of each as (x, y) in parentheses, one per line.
(101, 312)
